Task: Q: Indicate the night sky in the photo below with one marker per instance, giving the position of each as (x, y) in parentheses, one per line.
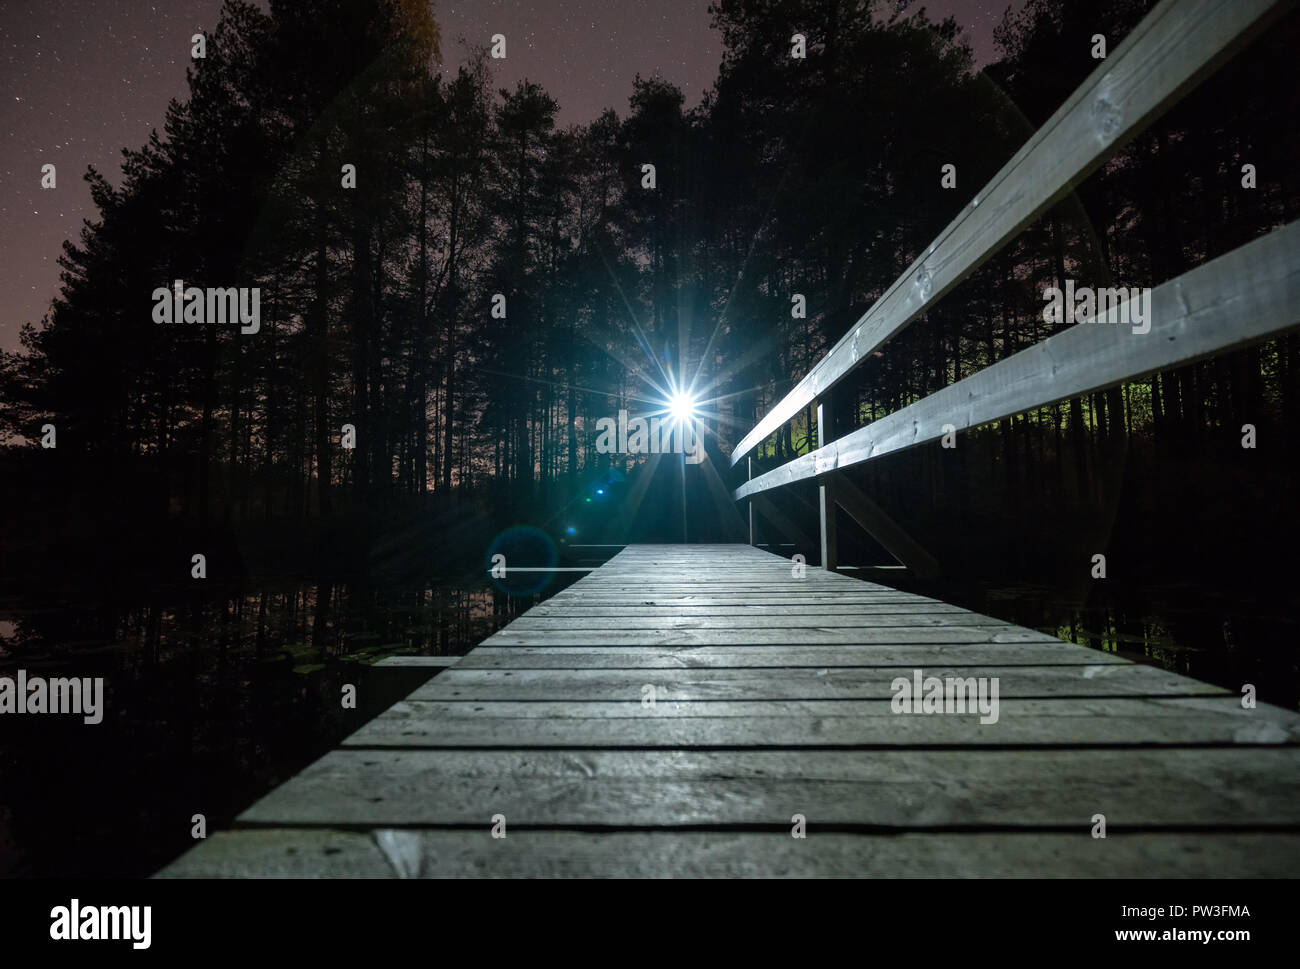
(81, 79)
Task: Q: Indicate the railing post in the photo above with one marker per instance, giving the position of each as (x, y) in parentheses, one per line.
(750, 503)
(826, 499)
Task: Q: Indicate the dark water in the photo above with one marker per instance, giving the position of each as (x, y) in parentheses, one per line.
(1228, 637)
(211, 701)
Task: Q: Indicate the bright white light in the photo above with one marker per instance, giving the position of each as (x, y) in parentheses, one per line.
(681, 407)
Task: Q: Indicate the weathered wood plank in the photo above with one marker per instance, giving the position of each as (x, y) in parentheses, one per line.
(782, 637)
(692, 657)
(774, 597)
(530, 623)
(798, 683)
(1239, 787)
(426, 853)
(811, 582)
(760, 608)
(283, 853)
(1067, 723)
(1175, 707)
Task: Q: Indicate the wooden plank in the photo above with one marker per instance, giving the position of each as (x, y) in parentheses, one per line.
(651, 592)
(798, 683)
(1242, 297)
(282, 853)
(434, 853)
(739, 605)
(692, 657)
(723, 571)
(534, 623)
(758, 608)
(797, 590)
(1175, 46)
(753, 536)
(683, 575)
(812, 580)
(1234, 787)
(396, 676)
(853, 723)
(826, 523)
(783, 637)
(1178, 707)
(743, 601)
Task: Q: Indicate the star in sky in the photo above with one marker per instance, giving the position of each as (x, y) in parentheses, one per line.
(90, 77)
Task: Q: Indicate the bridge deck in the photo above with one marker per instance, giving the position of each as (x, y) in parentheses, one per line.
(773, 699)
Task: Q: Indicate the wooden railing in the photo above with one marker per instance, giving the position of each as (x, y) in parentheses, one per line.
(1247, 295)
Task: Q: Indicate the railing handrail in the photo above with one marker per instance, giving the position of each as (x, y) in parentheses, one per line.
(1176, 45)
(1243, 296)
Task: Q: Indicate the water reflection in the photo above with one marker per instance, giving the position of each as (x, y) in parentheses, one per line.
(212, 698)
(1228, 639)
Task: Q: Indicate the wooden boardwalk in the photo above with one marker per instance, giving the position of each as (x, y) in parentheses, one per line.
(772, 698)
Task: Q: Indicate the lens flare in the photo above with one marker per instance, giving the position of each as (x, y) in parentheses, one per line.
(681, 407)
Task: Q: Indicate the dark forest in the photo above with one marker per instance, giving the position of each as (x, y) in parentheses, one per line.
(444, 322)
